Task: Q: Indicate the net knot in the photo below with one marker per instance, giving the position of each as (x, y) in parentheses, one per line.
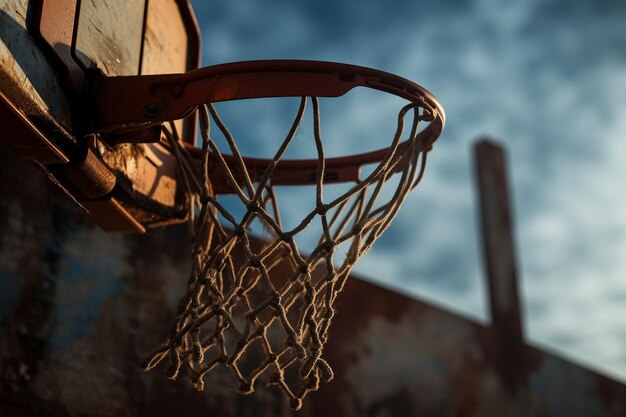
(304, 269)
(217, 309)
(274, 300)
(295, 403)
(240, 231)
(286, 237)
(321, 209)
(292, 343)
(328, 246)
(254, 261)
(254, 206)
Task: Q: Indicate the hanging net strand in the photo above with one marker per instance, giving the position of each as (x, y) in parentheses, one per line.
(263, 309)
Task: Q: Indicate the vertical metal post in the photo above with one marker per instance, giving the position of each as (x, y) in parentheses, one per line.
(499, 255)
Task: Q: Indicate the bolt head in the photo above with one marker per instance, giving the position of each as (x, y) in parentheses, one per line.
(152, 110)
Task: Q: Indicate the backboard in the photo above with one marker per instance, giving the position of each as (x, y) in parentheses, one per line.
(52, 50)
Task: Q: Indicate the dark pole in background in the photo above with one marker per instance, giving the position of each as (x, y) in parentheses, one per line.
(500, 265)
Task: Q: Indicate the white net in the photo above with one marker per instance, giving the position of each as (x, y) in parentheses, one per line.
(263, 309)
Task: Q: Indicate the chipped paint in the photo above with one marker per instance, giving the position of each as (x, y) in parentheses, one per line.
(400, 367)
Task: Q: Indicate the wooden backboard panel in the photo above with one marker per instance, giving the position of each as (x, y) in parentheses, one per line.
(166, 41)
(109, 36)
(169, 47)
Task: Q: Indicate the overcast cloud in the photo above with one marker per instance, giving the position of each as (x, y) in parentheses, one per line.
(546, 79)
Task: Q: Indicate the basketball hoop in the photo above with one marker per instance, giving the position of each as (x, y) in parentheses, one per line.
(234, 304)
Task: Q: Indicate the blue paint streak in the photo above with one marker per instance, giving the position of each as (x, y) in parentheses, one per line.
(84, 285)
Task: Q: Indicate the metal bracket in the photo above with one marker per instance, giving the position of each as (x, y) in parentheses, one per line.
(88, 180)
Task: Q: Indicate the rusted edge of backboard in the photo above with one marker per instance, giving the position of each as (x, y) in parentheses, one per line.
(194, 53)
(29, 142)
(193, 29)
(25, 139)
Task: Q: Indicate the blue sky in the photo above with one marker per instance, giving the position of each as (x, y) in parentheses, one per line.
(545, 78)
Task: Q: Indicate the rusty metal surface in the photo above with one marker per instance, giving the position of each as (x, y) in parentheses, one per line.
(88, 175)
(129, 101)
(79, 308)
(25, 138)
(108, 213)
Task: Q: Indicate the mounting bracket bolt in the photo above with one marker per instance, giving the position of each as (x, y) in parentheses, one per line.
(152, 110)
